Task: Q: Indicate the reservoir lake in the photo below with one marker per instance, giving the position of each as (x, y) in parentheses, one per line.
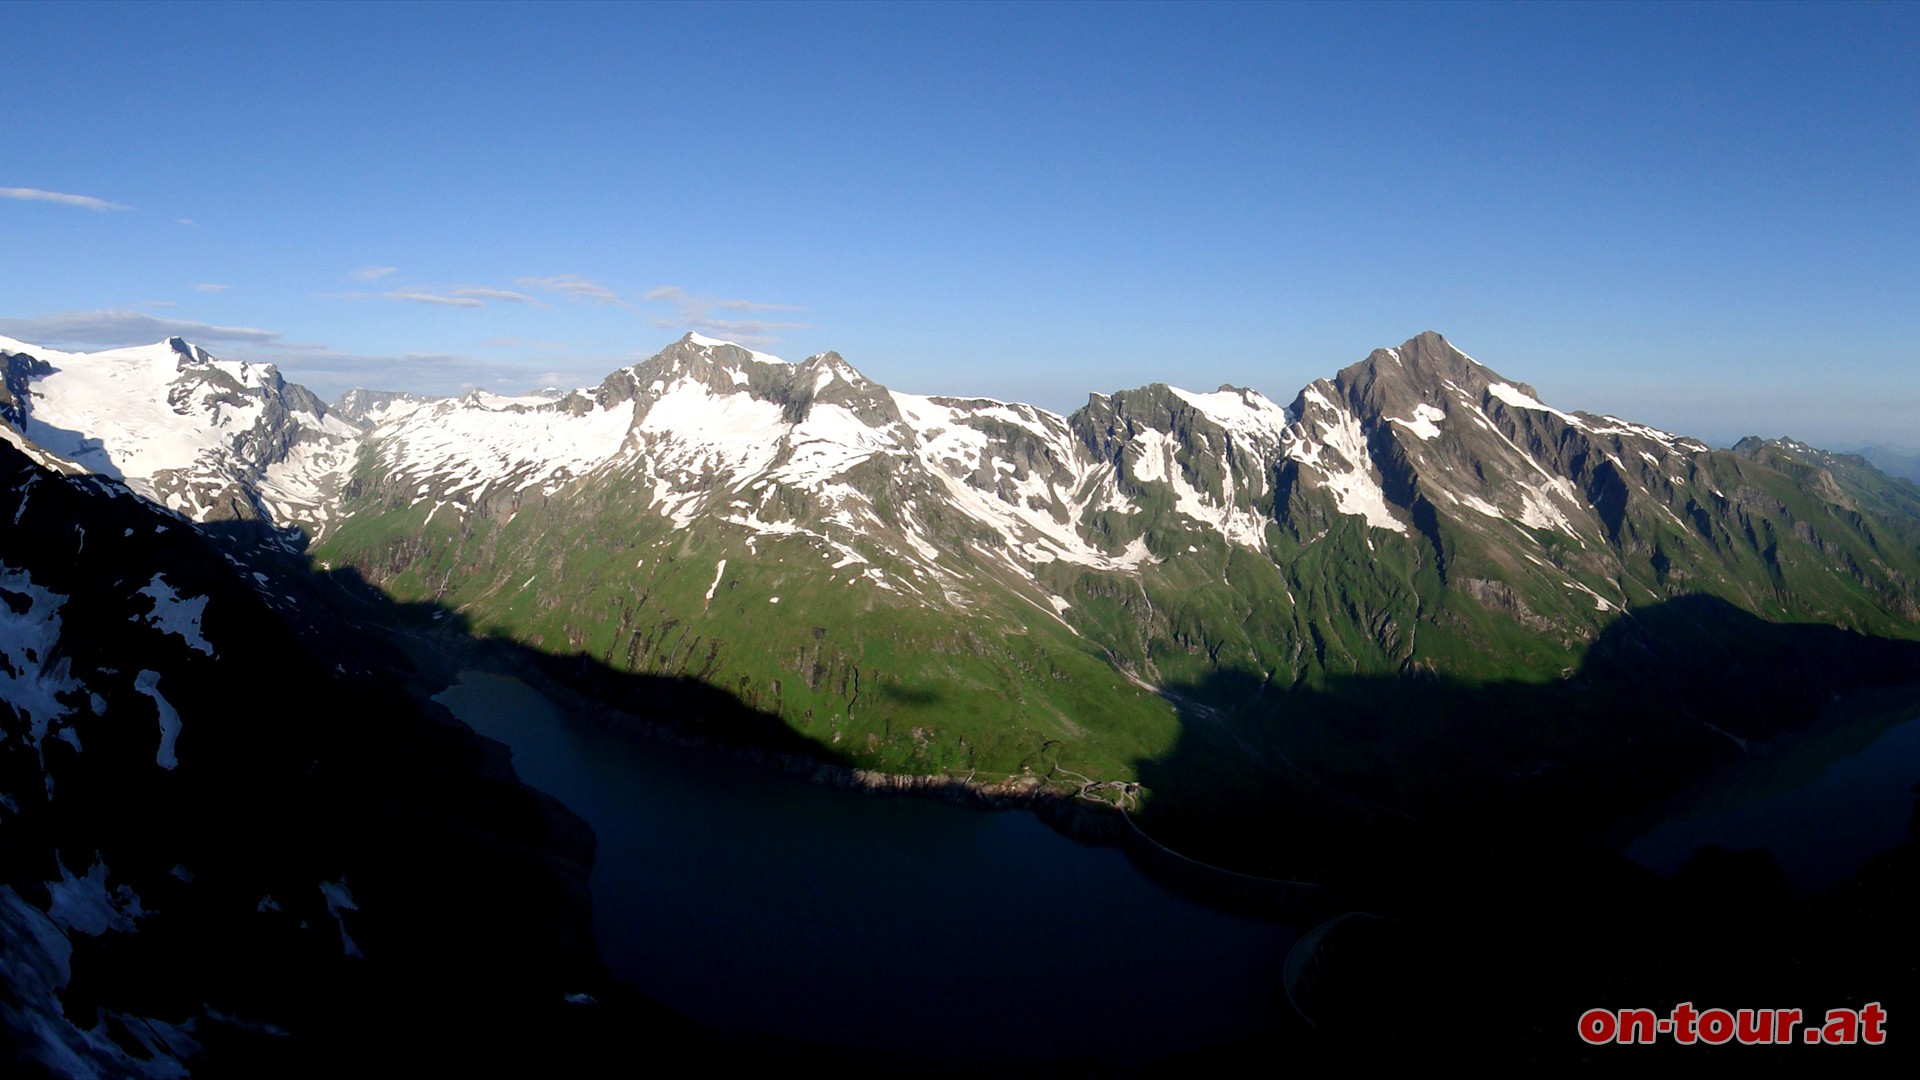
(762, 905)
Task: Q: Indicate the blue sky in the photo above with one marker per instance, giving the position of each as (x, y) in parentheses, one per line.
(1703, 217)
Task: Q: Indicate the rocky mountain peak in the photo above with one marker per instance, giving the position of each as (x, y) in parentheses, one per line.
(726, 353)
(17, 371)
(833, 363)
(1423, 368)
(188, 351)
(827, 379)
(722, 366)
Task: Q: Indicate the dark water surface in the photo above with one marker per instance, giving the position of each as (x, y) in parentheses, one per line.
(759, 904)
(1822, 811)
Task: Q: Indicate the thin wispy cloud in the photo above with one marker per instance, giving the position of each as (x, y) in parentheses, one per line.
(723, 327)
(431, 298)
(319, 367)
(158, 303)
(477, 292)
(85, 202)
(573, 287)
(749, 305)
(696, 312)
(209, 286)
(189, 222)
(466, 296)
(374, 273)
(330, 374)
(119, 329)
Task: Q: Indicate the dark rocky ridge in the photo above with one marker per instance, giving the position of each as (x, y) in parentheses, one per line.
(294, 772)
(17, 371)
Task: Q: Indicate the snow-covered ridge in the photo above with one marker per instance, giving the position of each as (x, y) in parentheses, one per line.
(121, 412)
(710, 431)
(706, 342)
(460, 449)
(186, 430)
(1425, 423)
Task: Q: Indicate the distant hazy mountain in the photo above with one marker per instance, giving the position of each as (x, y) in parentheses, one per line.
(1900, 461)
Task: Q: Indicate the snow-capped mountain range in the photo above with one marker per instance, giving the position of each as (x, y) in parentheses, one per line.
(709, 429)
(864, 562)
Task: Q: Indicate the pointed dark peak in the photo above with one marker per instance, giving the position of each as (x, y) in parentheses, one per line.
(1107, 421)
(1424, 368)
(693, 350)
(1133, 403)
(1160, 407)
(726, 352)
(725, 367)
(654, 374)
(722, 365)
(827, 378)
(17, 371)
(1428, 349)
(1425, 360)
(836, 364)
(189, 352)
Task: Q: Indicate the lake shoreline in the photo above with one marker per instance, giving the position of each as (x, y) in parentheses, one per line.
(793, 905)
(1095, 822)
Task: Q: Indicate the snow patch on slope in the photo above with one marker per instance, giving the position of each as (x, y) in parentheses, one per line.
(31, 680)
(1248, 416)
(173, 615)
(148, 683)
(1425, 423)
(1015, 501)
(85, 905)
(1348, 474)
(469, 445)
(826, 444)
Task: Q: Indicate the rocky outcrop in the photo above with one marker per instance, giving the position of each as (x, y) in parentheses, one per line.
(17, 372)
